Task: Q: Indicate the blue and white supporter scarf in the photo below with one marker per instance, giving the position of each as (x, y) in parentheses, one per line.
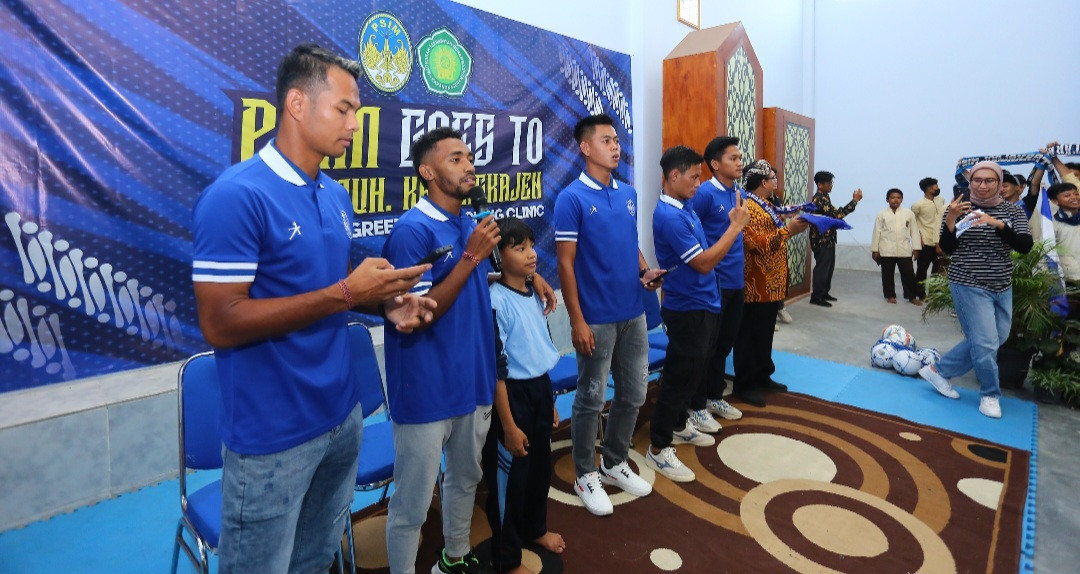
(1042, 161)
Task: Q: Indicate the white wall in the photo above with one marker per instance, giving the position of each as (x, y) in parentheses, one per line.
(904, 90)
(895, 87)
(648, 30)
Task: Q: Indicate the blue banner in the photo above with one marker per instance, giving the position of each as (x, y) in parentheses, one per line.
(114, 115)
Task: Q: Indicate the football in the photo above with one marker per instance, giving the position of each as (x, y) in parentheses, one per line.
(929, 355)
(882, 352)
(898, 334)
(906, 362)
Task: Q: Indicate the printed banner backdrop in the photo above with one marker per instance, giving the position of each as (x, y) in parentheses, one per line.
(114, 115)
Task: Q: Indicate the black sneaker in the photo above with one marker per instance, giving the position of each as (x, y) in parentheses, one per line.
(774, 386)
(829, 298)
(469, 564)
(820, 303)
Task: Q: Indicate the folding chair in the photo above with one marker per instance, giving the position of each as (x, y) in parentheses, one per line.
(658, 339)
(376, 468)
(199, 410)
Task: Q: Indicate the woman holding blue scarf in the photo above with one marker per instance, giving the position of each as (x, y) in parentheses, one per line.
(765, 243)
(979, 235)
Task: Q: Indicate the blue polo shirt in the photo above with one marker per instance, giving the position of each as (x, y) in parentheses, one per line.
(524, 332)
(448, 369)
(712, 203)
(602, 220)
(265, 223)
(678, 237)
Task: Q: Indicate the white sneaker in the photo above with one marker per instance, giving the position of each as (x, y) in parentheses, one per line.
(940, 383)
(702, 421)
(723, 409)
(691, 435)
(784, 316)
(669, 465)
(621, 476)
(991, 407)
(592, 494)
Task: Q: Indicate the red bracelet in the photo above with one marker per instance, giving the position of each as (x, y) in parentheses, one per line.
(472, 258)
(345, 292)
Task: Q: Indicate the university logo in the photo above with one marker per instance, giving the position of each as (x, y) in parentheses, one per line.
(631, 207)
(385, 52)
(444, 63)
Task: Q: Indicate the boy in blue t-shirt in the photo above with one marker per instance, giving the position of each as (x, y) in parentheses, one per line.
(517, 457)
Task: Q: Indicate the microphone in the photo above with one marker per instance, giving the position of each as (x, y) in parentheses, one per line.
(480, 210)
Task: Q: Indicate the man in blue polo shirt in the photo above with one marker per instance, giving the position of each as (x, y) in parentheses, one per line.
(603, 273)
(271, 276)
(713, 204)
(440, 381)
(691, 308)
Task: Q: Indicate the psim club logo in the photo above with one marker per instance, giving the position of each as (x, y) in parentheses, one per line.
(444, 63)
(385, 52)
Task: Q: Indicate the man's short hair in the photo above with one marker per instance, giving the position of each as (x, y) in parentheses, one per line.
(926, 182)
(678, 158)
(585, 126)
(1059, 188)
(1007, 177)
(427, 142)
(823, 177)
(514, 231)
(892, 191)
(715, 149)
(305, 68)
(1075, 166)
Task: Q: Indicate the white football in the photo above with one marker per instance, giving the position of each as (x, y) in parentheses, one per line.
(906, 362)
(929, 355)
(882, 352)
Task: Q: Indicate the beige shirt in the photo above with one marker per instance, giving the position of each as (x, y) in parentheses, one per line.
(1068, 241)
(895, 233)
(928, 214)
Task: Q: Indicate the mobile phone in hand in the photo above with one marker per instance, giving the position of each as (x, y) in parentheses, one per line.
(965, 194)
(663, 272)
(435, 254)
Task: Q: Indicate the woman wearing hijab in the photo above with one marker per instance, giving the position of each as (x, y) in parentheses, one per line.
(979, 235)
(765, 243)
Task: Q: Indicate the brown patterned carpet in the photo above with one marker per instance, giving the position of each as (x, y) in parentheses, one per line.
(803, 485)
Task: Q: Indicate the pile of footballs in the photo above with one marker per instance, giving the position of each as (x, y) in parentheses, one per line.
(896, 350)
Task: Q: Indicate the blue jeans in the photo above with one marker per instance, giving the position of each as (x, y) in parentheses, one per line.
(985, 317)
(286, 511)
(623, 350)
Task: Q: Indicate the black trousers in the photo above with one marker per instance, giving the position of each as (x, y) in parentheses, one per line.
(518, 486)
(712, 388)
(753, 350)
(824, 265)
(928, 259)
(691, 343)
(888, 277)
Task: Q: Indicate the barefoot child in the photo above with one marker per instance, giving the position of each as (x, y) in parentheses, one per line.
(518, 453)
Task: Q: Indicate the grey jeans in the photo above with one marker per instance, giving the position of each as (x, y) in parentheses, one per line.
(419, 449)
(623, 350)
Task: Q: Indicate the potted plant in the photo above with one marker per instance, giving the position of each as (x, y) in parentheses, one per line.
(1055, 370)
(1033, 319)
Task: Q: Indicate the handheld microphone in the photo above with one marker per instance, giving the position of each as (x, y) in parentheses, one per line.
(479, 203)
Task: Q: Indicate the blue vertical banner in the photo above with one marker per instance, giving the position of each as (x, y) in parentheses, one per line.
(114, 115)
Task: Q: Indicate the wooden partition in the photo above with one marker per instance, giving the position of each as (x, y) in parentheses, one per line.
(712, 86)
(789, 147)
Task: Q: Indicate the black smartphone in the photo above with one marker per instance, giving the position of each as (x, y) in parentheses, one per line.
(965, 194)
(435, 254)
(660, 276)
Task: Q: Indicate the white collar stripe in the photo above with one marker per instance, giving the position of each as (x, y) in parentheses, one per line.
(429, 209)
(670, 200)
(276, 162)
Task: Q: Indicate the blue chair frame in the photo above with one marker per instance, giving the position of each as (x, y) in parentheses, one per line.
(198, 398)
(376, 467)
